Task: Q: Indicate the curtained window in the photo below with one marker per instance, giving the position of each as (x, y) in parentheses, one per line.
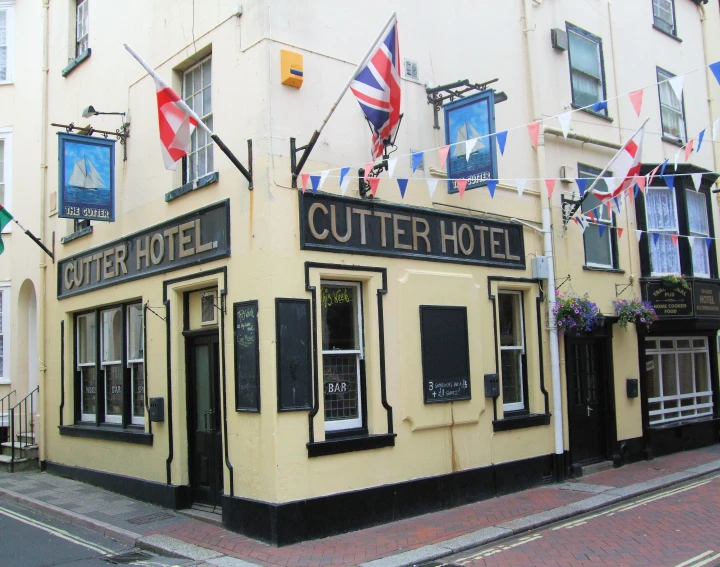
(662, 223)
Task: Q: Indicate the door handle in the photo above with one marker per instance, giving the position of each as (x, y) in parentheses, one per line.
(206, 416)
(589, 409)
(211, 413)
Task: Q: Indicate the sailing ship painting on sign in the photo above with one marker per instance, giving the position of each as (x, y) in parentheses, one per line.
(466, 120)
(87, 177)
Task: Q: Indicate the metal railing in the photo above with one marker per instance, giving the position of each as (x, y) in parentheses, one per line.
(22, 423)
(5, 403)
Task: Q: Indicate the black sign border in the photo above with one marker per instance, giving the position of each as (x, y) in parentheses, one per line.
(663, 317)
(236, 307)
(408, 255)
(224, 203)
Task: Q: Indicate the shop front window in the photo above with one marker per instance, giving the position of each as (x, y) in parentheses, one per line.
(86, 346)
(342, 344)
(678, 378)
(135, 362)
(512, 350)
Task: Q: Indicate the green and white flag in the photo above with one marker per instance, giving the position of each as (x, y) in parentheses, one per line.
(5, 218)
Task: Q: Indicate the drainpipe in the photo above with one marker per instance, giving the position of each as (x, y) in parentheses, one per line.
(558, 415)
(709, 80)
(40, 300)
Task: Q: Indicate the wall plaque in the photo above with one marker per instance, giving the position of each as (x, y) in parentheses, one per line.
(669, 302)
(247, 356)
(355, 226)
(707, 299)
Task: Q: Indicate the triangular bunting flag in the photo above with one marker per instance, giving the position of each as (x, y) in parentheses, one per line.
(674, 238)
(416, 159)
(323, 177)
(637, 190)
(374, 182)
(688, 149)
(662, 168)
(402, 183)
(669, 181)
(641, 181)
(636, 98)
(697, 180)
(619, 232)
(677, 83)
(501, 138)
(701, 137)
(564, 120)
(344, 185)
(391, 167)
(368, 170)
(443, 153)
(677, 158)
(432, 185)
(708, 242)
(656, 237)
(715, 68)
(639, 234)
(550, 184)
(315, 182)
(520, 184)
(592, 216)
(651, 175)
(469, 145)
(534, 130)
(601, 228)
(582, 185)
(598, 106)
(611, 183)
(461, 185)
(304, 179)
(492, 183)
(343, 172)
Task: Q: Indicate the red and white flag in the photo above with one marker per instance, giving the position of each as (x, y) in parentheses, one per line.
(176, 119)
(625, 166)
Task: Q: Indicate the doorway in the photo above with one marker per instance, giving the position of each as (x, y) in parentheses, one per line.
(586, 383)
(204, 418)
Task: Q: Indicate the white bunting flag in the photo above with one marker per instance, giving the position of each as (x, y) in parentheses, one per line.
(639, 234)
(432, 185)
(611, 183)
(520, 186)
(391, 167)
(344, 185)
(469, 145)
(677, 85)
(564, 120)
(677, 158)
(715, 130)
(323, 177)
(697, 180)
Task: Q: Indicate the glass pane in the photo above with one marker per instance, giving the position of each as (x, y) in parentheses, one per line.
(699, 343)
(206, 73)
(664, 258)
(135, 332)
(187, 88)
(682, 343)
(700, 259)
(669, 375)
(203, 403)
(207, 308)
(197, 81)
(86, 339)
(597, 248)
(510, 322)
(667, 344)
(113, 391)
(3, 63)
(339, 306)
(138, 387)
(697, 213)
(197, 104)
(511, 376)
(206, 101)
(89, 390)
(685, 368)
(111, 335)
(210, 162)
(584, 55)
(201, 163)
(652, 367)
(660, 209)
(702, 372)
(340, 384)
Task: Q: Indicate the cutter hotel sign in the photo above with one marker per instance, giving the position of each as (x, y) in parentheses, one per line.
(197, 237)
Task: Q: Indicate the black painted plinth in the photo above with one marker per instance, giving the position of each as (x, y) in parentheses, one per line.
(682, 436)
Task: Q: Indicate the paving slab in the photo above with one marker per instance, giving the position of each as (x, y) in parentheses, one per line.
(173, 547)
(420, 555)
(477, 538)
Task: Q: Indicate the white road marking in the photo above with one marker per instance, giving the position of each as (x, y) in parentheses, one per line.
(696, 558)
(494, 550)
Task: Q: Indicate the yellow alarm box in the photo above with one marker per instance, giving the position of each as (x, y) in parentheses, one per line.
(291, 68)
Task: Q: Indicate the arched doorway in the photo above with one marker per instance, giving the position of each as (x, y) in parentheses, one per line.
(27, 361)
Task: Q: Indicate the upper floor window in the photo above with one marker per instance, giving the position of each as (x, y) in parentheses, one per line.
(512, 351)
(197, 92)
(698, 231)
(664, 15)
(672, 109)
(7, 36)
(599, 237)
(81, 27)
(4, 334)
(6, 170)
(587, 76)
(662, 220)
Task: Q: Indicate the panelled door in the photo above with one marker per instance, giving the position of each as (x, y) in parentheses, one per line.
(586, 379)
(203, 411)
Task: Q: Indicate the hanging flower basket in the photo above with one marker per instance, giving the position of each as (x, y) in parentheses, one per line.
(634, 311)
(575, 314)
(673, 281)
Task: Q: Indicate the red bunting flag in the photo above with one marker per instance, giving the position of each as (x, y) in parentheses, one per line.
(368, 169)
(651, 175)
(304, 177)
(674, 238)
(443, 153)
(688, 149)
(640, 183)
(534, 129)
(592, 216)
(461, 185)
(619, 232)
(550, 184)
(374, 182)
(636, 100)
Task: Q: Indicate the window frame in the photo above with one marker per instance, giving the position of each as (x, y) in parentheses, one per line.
(6, 173)
(9, 8)
(131, 363)
(666, 76)
(523, 405)
(101, 418)
(82, 16)
(360, 422)
(571, 28)
(208, 146)
(661, 26)
(695, 237)
(5, 327)
(589, 172)
(667, 232)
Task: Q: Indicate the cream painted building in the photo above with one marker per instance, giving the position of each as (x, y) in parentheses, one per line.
(315, 363)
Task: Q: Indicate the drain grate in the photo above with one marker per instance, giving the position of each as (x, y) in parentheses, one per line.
(128, 557)
(149, 519)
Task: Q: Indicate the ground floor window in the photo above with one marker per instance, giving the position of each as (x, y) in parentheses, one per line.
(678, 378)
(109, 371)
(512, 350)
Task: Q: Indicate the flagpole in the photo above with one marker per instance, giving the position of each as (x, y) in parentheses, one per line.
(311, 144)
(183, 105)
(35, 239)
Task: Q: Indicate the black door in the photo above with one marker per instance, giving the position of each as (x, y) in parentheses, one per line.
(586, 399)
(205, 436)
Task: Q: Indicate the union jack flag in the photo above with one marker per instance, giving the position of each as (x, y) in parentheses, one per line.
(377, 88)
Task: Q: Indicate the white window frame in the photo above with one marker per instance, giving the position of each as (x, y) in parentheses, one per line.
(670, 232)
(6, 322)
(355, 423)
(515, 406)
(6, 139)
(698, 238)
(82, 26)
(132, 362)
(9, 9)
(700, 408)
(663, 77)
(190, 159)
(584, 172)
(597, 41)
(104, 364)
(660, 7)
(92, 417)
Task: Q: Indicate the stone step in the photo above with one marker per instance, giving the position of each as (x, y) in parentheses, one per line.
(22, 450)
(596, 467)
(18, 465)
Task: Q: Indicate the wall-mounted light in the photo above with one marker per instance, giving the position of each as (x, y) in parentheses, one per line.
(122, 133)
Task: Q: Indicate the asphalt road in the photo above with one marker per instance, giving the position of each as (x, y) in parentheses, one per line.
(676, 527)
(30, 539)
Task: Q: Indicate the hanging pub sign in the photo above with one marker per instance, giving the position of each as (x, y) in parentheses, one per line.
(468, 119)
(86, 187)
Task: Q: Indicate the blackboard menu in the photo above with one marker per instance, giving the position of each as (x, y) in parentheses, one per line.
(294, 354)
(669, 302)
(247, 356)
(445, 354)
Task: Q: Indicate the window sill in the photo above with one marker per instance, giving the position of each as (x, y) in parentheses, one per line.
(667, 33)
(350, 444)
(76, 62)
(683, 422)
(76, 235)
(598, 269)
(3, 83)
(521, 422)
(108, 433)
(593, 113)
(204, 181)
(674, 141)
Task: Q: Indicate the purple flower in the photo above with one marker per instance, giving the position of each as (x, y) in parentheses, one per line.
(577, 311)
(642, 320)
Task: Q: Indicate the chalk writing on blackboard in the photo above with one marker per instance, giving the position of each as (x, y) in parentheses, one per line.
(247, 356)
(245, 325)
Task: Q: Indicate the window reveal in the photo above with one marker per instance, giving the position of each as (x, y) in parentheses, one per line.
(586, 67)
(342, 344)
(197, 92)
(512, 350)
